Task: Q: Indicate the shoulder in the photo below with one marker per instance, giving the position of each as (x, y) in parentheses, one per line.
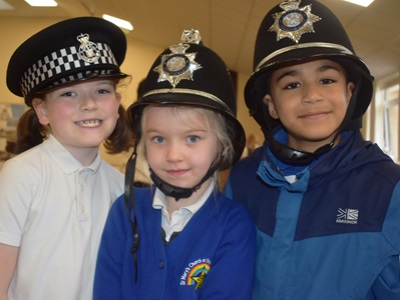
(243, 176)
(111, 171)
(252, 160)
(141, 196)
(232, 221)
(379, 165)
(228, 210)
(365, 159)
(27, 163)
(109, 179)
(248, 165)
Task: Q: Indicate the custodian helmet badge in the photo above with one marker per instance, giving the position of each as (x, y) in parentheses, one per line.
(179, 65)
(293, 22)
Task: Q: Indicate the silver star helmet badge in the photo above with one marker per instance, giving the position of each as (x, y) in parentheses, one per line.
(88, 51)
(293, 21)
(179, 65)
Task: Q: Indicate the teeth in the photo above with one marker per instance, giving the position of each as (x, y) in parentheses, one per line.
(90, 123)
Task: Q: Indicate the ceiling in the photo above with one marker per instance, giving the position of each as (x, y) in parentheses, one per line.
(229, 27)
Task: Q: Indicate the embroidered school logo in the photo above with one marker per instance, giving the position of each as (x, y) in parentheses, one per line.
(195, 273)
(347, 216)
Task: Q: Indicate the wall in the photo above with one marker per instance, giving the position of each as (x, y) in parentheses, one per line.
(139, 58)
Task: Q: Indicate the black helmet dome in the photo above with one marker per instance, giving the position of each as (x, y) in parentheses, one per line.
(297, 30)
(191, 74)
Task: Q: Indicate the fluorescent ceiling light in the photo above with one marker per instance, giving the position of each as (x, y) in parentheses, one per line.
(5, 6)
(119, 22)
(364, 3)
(43, 3)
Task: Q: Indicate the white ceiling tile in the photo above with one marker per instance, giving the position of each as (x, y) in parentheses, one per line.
(231, 25)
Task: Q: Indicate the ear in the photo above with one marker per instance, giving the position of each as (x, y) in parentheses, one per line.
(350, 88)
(120, 110)
(271, 106)
(39, 106)
(118, 97)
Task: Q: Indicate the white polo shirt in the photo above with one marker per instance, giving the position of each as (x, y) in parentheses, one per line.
(54, 210)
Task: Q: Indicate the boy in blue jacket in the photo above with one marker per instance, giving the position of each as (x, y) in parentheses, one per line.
(325, 201)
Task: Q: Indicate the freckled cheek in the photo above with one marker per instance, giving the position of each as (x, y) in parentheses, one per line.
(62, 111)
(62, 107)
(112, 108)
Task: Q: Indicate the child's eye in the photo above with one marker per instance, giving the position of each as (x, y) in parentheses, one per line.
(67, 94)
(193, 139)
(292, 85)
(104, 91)
(158, 139)
(327, 81)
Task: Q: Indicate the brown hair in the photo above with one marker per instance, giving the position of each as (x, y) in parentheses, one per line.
(29, 133)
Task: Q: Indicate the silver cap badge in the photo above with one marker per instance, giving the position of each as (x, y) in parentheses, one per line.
(293, 22)
(88, 51)
(179, 65)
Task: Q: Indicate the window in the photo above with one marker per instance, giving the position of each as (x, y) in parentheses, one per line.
(384, 115)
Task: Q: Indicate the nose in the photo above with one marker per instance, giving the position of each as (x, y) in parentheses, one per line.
(88, 103)
(312, 93)
(174, 151)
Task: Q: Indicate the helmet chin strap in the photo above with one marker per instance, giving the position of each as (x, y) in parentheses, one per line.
(296, 157)
(179, 192)
(130, 205)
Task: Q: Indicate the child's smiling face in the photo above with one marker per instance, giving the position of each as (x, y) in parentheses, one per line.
(310, 100)
(81, 115)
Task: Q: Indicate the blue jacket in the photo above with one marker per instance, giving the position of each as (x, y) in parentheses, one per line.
(332, 234)
(218, 243)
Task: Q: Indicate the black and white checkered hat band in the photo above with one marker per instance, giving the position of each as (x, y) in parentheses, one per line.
(80, 76)
(61, 61)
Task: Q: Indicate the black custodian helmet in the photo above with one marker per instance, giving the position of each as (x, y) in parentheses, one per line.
(191, 74)
(66, 52)
(297, 30)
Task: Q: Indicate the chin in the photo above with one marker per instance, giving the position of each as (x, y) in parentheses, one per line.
(180, 183)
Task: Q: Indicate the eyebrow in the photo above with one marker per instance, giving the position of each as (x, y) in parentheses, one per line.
(288, 73)
(320, 69)
(105, 81)
(329, 67)
(189, 131)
